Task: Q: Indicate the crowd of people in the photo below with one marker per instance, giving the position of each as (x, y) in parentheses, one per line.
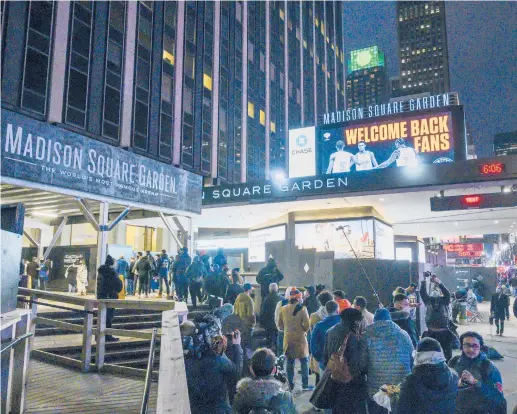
(357, 357)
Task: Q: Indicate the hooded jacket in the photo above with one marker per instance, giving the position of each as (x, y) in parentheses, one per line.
(429, 389)
(262, 393)
(388, 354)
(318, 335)
(109, 284)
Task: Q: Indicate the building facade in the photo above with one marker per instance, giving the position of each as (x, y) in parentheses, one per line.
(211, 87)
(505, 143)
(423, 53)
(367, 81)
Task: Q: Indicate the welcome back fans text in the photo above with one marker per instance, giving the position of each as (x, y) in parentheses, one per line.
(431, 134)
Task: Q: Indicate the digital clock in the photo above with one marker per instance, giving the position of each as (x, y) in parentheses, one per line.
(493, 168)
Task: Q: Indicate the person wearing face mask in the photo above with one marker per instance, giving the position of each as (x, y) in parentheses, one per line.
(401, 315)
(500, 309)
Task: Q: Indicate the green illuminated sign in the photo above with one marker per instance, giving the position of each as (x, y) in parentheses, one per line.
(365, 58)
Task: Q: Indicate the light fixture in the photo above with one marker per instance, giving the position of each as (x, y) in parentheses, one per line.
(279, 176)
(456, 223)
(506, 189)
(43, 214)
(381, 199)
(496, 221)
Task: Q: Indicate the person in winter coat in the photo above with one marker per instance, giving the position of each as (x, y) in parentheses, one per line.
(278, 312)
(245, 308)
(294, 321)
(196, 274)
(400, 314)
(208, 377)
(432, 386)
(108, 287)
(318, 316)
(267, 315)
(43, 273)
(388, 354)
(163, 265)
(179, 269)
(71, 276)
(481, 386)
(263, 392)
(360, 304)
(311, 301)
(350, 397)
(319, 332)
(267, 275)
(82, 277)
(339, 297)
(220, 259)
(32, 271)
(122, 268)
(437, 315)
(235, 289)
(500, 309)
(143, 268)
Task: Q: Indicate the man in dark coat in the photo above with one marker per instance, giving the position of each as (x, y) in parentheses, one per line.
(220, 258)
(401, 315)
(109, 286)
(311, 302)
(500, 309)
(179, 277)
(267, 315)
(196, 274)
(143, 268)
(350, 397)
(267, 275)
(235, 289)
(32, 271)
(432, 386)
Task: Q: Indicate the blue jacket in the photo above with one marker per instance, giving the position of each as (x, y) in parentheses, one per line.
(318, 335)
(163, 265)
(123, 268)
(389, 355)
(208, 381)
(487, 394)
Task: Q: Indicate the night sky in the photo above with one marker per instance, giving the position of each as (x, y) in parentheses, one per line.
(482, 40)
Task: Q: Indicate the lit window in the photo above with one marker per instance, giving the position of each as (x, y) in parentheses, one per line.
(262, 117)
(168, 57)
(251, 110)
(282, 16)
(207, 81)
(322, 27)
(316, 22)
(273, 126)
(305, 44)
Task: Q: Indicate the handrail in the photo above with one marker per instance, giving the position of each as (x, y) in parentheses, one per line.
(21, 298)
(16, 341)
(150, 363)
(60, 297)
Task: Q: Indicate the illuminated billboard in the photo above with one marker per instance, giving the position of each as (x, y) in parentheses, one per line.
(404, 141)
(302, 152)
(369, 57)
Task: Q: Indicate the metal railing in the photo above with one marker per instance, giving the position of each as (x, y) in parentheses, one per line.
(148, 376)
(15, 342)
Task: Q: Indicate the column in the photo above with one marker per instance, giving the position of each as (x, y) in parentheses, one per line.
(244, 129)
(215, 89)
(178, 83)
(59, 55)
(268, 88)
(129, 74)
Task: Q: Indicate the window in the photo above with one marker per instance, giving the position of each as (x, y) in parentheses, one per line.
(282, 15)
(37, 55)
(114, 71)
(167, 88)
(79, 64)
(262, 62)
(262, 117)
(238, 11)
(168, 50)
(250, 51)
(273, 126)
(207, 82)
(189, 64)
(251, 110)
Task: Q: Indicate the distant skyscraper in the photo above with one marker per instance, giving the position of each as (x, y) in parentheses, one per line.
(367, 79)
(505, 143)
(422, 34)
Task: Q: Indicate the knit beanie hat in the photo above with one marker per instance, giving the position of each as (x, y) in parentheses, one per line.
(428, 352)
(288, 291)
(224, 311)
(295, 294)
(109, 261)
(382, 314)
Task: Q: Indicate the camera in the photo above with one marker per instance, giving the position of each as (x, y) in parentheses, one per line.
(230, 335)
(427, 274)
(279, 374)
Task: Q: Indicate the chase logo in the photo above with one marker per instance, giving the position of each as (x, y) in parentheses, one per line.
(302, 141)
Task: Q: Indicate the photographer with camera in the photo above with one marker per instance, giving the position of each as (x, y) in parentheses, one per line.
(210, 373)
(437, 313)
(263, 393)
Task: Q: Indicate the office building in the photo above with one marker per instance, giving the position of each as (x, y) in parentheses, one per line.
(212, 87)
(367, 79)
(505, 143)
(422, 36)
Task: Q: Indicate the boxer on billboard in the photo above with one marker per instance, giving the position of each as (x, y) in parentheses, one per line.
(364, 160)
(404, 156)
(340, 161)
